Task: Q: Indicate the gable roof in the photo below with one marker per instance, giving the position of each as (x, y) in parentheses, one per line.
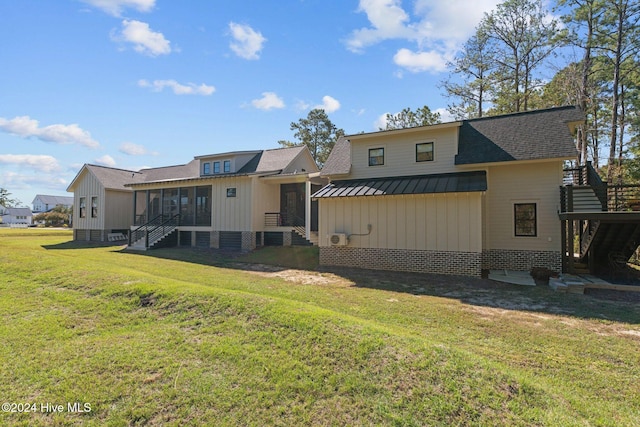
(278, 159)
(53, 200)
(339, 160)
(530, 135)
(18, 211)
(110, 178)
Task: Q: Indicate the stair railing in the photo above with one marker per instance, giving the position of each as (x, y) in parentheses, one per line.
(154, 230)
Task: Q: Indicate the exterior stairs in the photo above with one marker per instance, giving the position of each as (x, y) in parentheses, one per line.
(298, 237)
(155, 234)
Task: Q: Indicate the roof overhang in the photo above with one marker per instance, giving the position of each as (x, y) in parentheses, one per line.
(395, 132)
(459, 182)
(513, 162)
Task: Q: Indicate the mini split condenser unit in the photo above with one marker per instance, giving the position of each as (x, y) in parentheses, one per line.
(338, 239)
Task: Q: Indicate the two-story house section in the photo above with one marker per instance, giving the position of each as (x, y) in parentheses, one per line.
(451, 198)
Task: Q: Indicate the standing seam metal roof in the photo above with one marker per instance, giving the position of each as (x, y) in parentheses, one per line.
(420, 184)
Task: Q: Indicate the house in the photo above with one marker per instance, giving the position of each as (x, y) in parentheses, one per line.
(235, 200)
(102, 205)
(16, 217)
(451, 198)
(44, 203)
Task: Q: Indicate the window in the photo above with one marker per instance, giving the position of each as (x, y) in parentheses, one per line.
(206, 168)
(216, 167)
(227, 166)
(424, 152)
(525, 219)
(94, 207)
(376, 156)
(231, 192)
(83, 207)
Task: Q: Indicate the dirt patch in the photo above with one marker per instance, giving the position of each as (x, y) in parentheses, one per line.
(297, 276)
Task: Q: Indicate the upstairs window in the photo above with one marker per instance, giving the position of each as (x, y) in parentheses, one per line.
(227, 166)
(94, 207)
(83, 207)
(206, 168)
(424, 152)
(376, 156)
(525, 219)
(216, 167)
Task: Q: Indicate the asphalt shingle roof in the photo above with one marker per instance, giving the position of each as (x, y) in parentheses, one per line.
(339, 160)
(54, 200)
(531, 135)
(115, 179)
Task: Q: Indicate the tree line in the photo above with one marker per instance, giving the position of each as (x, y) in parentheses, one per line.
(504, 67)
(523, 56)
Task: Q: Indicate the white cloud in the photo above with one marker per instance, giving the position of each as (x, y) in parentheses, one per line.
(178, 88)
(132, 149)
(388, 21)
(105, 160)
(329, 104)
(27, 127)
(269, 101)
(115, 7)
(436, 29)
(420, 61)
(247, 42)
(381, 122)
(445, 115)
(144, 40)
(39, 162)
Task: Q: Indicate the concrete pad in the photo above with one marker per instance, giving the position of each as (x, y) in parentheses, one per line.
(513, 277)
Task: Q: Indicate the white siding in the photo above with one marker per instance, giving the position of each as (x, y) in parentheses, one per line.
(266, 198)
(231, 213)
(88, 186)
(523, 183)
(400, 154)
(439, 222)
(118, 209)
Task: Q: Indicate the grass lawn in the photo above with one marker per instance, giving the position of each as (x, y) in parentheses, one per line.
(186, 337)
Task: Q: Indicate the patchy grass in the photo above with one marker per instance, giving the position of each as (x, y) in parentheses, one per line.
(147, 340)
(299, 257)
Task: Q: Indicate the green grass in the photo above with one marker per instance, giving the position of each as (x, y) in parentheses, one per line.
(197, 340)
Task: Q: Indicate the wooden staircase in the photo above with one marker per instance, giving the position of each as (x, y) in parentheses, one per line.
(603, 217)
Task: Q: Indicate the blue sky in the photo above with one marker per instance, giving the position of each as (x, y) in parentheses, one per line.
(145, 83)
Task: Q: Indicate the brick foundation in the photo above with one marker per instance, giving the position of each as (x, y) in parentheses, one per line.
(286, 239)
(520, 260)
(214, 240)
(248, 240)
(419, 261)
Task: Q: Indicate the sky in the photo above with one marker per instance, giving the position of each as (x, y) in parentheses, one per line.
(147, 83)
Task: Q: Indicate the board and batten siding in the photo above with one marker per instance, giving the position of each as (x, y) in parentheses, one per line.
(117, 209)
(437, 222)
(88, 186)
(523, 183)
(231, 213)
(266, 198)
(400, 154)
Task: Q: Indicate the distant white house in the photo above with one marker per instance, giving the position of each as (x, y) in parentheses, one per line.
(16, 216)
(44, 203)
